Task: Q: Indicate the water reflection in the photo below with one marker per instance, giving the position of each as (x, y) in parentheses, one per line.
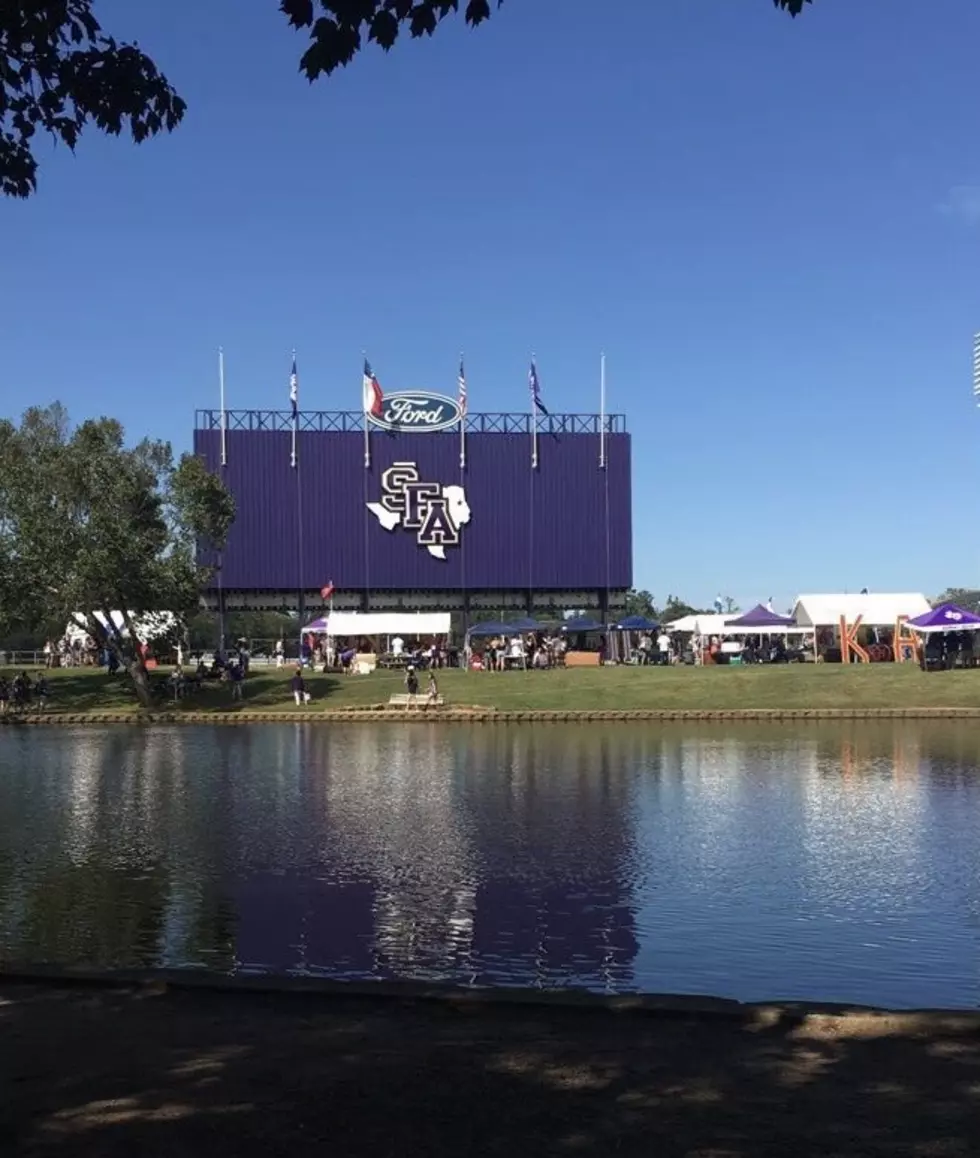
(825, 862)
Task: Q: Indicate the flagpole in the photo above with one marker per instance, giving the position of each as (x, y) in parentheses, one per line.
(534, 419)
(463, 398)
(224, 420)
(602, 412)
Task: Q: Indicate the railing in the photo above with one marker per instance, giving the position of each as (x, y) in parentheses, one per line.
(21, 658)
(350, 421)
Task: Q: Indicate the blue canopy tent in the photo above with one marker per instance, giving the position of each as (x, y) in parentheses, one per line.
(582, 625)
(485, 629)
(620, 648)
(525, 625)
(636, 623)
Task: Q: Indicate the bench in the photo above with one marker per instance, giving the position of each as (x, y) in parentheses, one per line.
(404, 700)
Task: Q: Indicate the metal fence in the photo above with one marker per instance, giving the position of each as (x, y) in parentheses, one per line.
(22, 658)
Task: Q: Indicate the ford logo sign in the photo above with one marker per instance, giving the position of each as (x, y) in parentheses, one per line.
(418, 410)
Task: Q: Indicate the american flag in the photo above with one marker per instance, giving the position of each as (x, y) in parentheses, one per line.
(976, 367)
(294, 389)
(536, 389)
(462, 388)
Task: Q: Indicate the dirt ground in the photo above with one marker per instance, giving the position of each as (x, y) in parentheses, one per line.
(157, 1072)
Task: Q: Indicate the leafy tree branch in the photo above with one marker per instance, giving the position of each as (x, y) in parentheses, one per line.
(60, 72)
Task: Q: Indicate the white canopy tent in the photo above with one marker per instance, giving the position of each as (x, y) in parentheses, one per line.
(149, 625)
(879, 610)
(371, 623)
(719, 625)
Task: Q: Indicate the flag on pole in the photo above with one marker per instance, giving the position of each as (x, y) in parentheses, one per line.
(373, 406)
(461, 392)
(976, 367)
(294, 406)
(602, 412)
(537, 407)
(224, 416)
(327, 591)
(535, 385)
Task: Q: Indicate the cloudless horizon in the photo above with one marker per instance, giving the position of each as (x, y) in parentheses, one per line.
(770, 227)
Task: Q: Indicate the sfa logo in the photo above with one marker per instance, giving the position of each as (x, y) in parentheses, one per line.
(434, 513)
(416, 411)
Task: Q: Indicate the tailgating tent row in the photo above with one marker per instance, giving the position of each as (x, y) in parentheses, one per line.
(810, 612)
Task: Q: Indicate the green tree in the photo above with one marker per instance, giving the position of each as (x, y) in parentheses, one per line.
(676, 608)
(59, 71)
(639, 603)
(966, 597)
(90, 525)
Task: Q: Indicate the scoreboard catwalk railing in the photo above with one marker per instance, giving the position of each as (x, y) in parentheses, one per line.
(507, 512)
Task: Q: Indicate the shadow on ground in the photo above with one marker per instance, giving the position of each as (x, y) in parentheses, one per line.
(132, 1072)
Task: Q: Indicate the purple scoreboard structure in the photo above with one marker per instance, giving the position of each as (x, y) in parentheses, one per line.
(405, 509)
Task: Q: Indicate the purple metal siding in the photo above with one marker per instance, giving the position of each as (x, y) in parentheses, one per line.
(540, 529)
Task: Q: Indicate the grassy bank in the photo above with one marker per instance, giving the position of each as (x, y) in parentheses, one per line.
(888, 686)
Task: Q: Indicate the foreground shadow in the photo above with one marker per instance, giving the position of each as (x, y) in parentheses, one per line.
(135, 1072)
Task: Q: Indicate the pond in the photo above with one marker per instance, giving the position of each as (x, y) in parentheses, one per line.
(818, 862)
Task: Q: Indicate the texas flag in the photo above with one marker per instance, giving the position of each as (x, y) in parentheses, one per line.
(373, 398)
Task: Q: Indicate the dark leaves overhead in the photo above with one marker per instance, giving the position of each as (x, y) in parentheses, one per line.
(339, 29)
(60, 72)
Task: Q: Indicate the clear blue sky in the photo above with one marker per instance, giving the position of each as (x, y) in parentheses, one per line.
(772, 228)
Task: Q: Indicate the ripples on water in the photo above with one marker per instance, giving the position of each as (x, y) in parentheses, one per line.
(825, 863)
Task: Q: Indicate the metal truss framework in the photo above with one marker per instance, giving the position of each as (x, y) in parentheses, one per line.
(350, 421)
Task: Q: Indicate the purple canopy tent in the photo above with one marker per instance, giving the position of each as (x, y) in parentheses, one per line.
(945, 617)
(760, 618)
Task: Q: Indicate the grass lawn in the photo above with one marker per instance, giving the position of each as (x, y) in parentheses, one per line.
(577, 689)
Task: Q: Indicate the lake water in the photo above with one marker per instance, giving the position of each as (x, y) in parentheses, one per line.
(831, 863)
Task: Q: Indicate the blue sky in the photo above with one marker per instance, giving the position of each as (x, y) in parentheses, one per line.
(772, 228)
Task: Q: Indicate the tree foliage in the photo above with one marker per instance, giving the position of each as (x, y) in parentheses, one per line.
(59, 71)
(339, 29)
(90, 525)
(965, 597)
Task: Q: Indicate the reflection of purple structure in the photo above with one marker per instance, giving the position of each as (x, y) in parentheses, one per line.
(554, 906)
(295, 921)
(491, 858)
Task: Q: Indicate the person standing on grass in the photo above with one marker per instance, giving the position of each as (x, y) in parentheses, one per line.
(433, 690)
(4, 695)
(298, 685)
(411, 681)
(41, 691)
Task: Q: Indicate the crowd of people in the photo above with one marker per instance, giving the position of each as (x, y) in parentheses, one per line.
(536, 650)
(21, 693)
